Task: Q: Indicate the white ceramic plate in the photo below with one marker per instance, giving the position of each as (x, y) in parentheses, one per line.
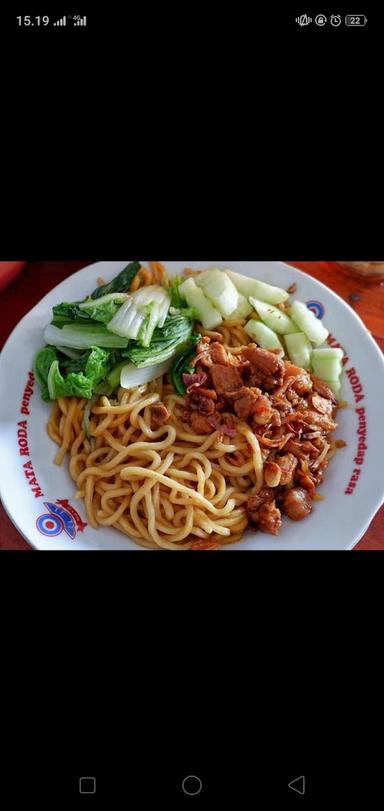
(32, 486)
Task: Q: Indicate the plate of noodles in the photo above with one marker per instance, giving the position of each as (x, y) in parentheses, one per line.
(191, 406)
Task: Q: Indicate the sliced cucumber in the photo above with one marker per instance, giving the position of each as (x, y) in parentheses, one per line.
(263, 335)
(195, 298)
(308, 323)
(328, 367)
(299, 349)
(220, 290)
(328, 352)
(274, 318)
(327, 362)
(243, 308)
(260, 290)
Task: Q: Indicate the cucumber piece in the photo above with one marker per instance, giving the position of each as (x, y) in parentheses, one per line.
(308, 323)
(220, 290)
(243, 309)
(260, 290)
(326, 363)
(299, 349)
(274, 318)
(264, 337)
(195, 298)
(328, 352)
(326, 368)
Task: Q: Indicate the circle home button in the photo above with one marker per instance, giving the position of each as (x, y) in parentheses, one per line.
(191, 785)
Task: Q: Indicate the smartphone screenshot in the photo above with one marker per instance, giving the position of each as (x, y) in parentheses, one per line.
(191, 360)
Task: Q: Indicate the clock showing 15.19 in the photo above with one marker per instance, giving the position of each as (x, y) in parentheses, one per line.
(28, 20)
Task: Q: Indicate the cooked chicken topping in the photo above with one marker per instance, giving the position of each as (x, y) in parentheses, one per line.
(290, 412)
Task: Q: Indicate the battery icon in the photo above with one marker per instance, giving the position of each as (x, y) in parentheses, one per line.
(355, 20)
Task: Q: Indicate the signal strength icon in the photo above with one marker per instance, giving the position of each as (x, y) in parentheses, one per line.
(62, 21)
(303, 19)
(80, 20)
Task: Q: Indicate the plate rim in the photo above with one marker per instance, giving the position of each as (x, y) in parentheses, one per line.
(346, 307)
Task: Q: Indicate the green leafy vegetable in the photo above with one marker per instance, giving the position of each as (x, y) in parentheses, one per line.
(43, 362)
(182, 365)
(176, 330)
(85, 358)
(131, 375)
(173, 286)
(69, 353)
(60, 376)
(78, 364)
(103, 303)
(105, 388)
(120, 284)
(83, 335)
(71, 386)
(66, 312)
(80, 383)
(142, 311)
(98, 364)
(104, 308)
(112, 381)
(74, 364)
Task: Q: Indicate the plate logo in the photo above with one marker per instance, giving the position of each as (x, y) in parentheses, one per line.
(316, 307)
(61, 517)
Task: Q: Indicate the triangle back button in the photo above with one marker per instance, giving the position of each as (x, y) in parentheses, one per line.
(298, 785)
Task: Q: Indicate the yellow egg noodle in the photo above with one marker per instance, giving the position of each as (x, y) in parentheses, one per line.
(166, 487)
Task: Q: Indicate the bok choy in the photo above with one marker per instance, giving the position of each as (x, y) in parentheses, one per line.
(141, 313)
(60, 376)
(131, 375)
(120, 284)
(177, 330)
(182, 364)
(103, 309)
(102, 304)
(83, 335)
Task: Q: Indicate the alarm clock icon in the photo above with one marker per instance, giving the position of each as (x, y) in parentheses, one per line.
(335, 20)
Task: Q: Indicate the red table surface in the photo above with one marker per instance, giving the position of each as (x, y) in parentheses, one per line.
(366, 297)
